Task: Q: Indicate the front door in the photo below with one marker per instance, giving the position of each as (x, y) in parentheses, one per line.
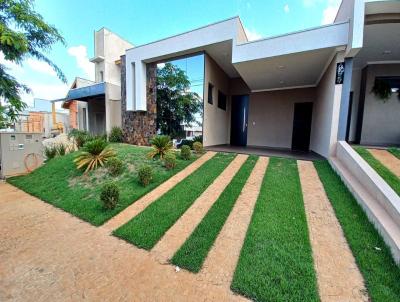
(239, 115)
(302, 126)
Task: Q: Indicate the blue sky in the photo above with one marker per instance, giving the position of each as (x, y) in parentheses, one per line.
(141, 22)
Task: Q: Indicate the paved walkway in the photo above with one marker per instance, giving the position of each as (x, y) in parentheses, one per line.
(337, 273)
(387, 159)
(181, 230)
(48, 255)
(221, 261)
(139, 205)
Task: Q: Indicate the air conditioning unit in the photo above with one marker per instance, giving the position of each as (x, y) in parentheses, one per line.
(20, 153)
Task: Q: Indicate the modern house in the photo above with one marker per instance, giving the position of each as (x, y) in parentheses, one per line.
(303, 91)
(95, 106)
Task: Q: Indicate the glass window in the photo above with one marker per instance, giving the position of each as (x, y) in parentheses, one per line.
(210, 93)
(221, 100)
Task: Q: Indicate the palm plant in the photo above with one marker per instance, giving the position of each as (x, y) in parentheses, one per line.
(161, 145)
(95, 153)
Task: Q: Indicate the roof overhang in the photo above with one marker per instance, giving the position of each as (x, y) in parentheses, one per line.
(84, 93)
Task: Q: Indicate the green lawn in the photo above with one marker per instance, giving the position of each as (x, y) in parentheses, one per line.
(395, 152)
(194, 251)
(60, 184)
(147, 228)
(275, 262)
(381, 274)
(391, 179)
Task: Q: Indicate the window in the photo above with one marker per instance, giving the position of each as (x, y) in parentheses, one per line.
(221, 100)
(210, 93)
(101, 76)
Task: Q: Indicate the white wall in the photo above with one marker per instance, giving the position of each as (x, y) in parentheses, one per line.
(271, 113)
(381, 119)
(216, 126)
(326, 112)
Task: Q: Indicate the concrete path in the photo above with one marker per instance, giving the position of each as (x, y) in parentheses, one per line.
(49, 255)
(220, 264)
(387, 159)
(338, 276)
(181, 230)
(139, 205)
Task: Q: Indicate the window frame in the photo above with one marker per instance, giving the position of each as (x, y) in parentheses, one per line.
(210, 97)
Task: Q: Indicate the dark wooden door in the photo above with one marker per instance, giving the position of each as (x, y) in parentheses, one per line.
(302, 126)
(239, 115)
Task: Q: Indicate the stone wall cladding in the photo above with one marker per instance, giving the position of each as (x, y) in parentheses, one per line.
(140, 126)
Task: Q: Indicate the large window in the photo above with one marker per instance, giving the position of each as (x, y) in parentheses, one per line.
(221, 100)
(180, 85)
(210, 93)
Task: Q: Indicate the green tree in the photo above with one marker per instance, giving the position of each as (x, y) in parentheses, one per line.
(176, 104)
(23, 34)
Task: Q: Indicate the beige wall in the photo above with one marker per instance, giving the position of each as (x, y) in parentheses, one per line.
(326, 112)
(381, 119)
(216, 124)
(271, 116)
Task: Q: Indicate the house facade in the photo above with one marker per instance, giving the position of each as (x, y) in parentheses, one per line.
(95, 106)
(302, 91)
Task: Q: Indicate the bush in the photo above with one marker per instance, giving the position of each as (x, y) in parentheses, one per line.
(95, 153)
(115, 166)
(109, 195)
(80, 137)
(198, 147)
(50, 152)
(170, 160)
(145, 174)
(198, 139)
(61, 149)
(186, 153)
(116, 135)
(161, 145)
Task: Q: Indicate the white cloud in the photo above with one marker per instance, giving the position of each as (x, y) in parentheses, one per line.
(286, 8)
(41, 67)
(329, 13)
(252, 34)
(82, 60)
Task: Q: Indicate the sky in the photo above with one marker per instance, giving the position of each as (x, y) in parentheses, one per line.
(142, 22)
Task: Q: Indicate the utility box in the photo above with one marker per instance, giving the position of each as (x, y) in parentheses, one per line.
(20, 153)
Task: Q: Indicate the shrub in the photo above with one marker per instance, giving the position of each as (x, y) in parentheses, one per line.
(115, 166)
(94, 153)
(145, 174)
(198, 138)
(50, 152)
(61, 149)
(161, 145)
(198, 147)
(186, 153)
(170, 160)
(109, 195)
(116, 135)
(80, 137)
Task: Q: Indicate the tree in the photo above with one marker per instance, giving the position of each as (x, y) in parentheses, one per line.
(23, 34)
(176, 104)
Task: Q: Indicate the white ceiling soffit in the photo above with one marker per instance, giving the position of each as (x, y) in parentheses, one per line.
(381, 43)
(289, 71)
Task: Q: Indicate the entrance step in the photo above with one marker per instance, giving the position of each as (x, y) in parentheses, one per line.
(379, 201)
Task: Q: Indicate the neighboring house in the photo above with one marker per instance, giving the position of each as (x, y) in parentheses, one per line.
(286, 91)
(39, 119)
(95, 106)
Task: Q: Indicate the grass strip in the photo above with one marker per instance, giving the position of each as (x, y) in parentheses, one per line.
(59, 183)
(193, 252)
(391, 179)
(147, 228)
(395, 152)
(275, 262)
(373, 257)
